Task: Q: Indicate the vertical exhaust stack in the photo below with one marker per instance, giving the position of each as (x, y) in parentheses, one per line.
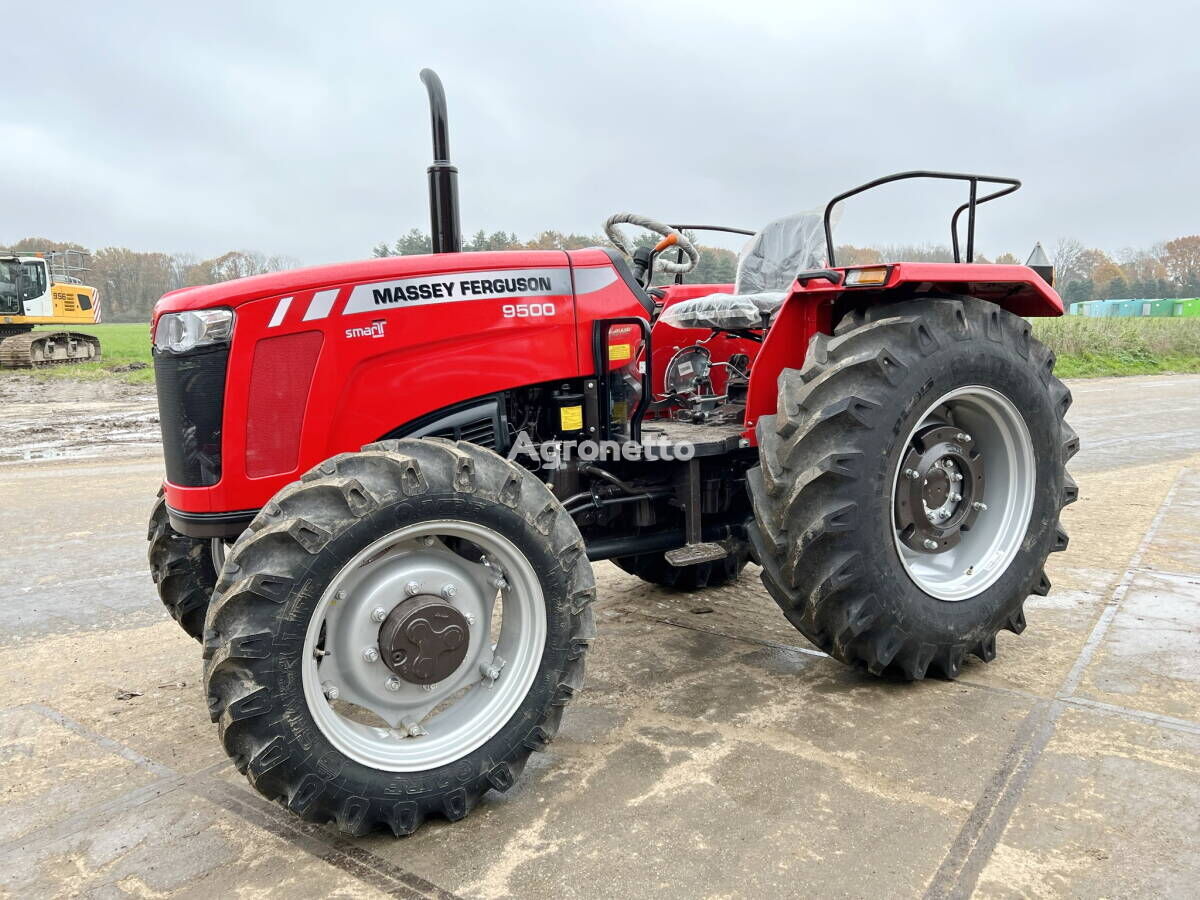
(444, 225)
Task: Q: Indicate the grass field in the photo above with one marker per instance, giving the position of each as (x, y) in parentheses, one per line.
(125, 355)
(1089, 347)
(1085, 348)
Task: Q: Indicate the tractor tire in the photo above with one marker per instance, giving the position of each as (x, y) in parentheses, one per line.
(654, 569)
(359, 598)
(182, 569)
(870, 521)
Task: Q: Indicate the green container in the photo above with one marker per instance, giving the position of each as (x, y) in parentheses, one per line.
(1186, 308)
(1159, 309)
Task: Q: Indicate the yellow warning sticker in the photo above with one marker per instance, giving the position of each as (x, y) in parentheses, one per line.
(571, 418)
(619, 352)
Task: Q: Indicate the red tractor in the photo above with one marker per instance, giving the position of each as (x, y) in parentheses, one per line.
(387, 480)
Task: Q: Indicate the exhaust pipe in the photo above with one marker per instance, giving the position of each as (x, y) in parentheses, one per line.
(444, 225)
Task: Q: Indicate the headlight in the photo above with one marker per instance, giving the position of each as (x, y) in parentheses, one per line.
(184, 331)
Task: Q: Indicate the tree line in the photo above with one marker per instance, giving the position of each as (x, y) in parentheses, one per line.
(131, 281)
(716, 266)
(1167, 269)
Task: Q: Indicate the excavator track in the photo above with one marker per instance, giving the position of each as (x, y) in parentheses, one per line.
(34, 349)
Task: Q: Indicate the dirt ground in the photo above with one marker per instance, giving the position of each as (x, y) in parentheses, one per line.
(58, 418)
(712, 754)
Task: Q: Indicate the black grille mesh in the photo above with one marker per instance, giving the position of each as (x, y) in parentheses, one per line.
(481, 431)
(191, 396)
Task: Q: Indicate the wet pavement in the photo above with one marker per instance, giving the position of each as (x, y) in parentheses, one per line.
(711, 753)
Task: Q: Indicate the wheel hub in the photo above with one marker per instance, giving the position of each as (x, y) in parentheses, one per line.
(423, 640)
(940, 489)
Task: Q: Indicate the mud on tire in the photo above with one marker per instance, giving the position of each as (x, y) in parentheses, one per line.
(277, 571)
(182, 569)
(822, 494)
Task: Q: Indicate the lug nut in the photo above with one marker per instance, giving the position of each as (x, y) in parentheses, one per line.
(331, 690)
(963, 438)
(378, 614)
(499, 583)
(427, 540)
(930, 544)
(912, 473)
(412, 727)
(449, 591)
(370, 654)
(470, 619)
(340, 595)
(392, 684)
(982, 507)
(412, 588)
(954, 498)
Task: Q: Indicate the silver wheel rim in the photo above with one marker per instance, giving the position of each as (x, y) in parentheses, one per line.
(997, 430)
(413, 727)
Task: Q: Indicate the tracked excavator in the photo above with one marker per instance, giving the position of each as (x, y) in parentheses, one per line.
(46, 288)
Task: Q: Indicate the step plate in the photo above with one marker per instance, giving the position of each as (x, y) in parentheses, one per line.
(691, 554)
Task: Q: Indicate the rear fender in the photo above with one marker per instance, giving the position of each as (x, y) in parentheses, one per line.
(815, 307)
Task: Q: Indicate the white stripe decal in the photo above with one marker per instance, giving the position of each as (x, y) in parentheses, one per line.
(588, 281)
(320, 305)
(280, 311)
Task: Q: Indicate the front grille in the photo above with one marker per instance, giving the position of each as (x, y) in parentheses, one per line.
(191, 397)
(280, 376)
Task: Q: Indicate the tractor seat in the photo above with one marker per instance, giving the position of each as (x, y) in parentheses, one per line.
(766, 268)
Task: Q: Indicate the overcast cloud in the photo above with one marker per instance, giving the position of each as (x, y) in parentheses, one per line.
(300, 128)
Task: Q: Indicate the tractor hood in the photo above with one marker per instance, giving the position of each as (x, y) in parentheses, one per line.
(245, 290)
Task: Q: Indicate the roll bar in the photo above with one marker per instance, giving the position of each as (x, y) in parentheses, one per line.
(973, 200)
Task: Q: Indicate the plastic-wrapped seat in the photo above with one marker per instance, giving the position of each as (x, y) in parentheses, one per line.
(766, 268)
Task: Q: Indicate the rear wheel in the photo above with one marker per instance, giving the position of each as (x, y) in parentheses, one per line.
(911, 482)
(396, 633)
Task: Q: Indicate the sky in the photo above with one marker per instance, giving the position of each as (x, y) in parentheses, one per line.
(301, 128)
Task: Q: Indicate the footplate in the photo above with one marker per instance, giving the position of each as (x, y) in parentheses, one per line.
(691, 554)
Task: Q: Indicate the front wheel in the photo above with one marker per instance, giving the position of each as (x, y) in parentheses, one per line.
(911, 482)
(396, 633)
(184, 570)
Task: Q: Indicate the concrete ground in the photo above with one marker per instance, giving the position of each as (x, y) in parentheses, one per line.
(713, 752)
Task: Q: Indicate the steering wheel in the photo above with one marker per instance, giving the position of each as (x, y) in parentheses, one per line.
(671, 237)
